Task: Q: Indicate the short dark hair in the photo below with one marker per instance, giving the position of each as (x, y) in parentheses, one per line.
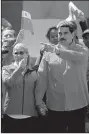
(86, 32)
(70, 24)
(49, 30)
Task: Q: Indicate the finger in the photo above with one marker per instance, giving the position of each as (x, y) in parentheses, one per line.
(43, 43)
(21, 61)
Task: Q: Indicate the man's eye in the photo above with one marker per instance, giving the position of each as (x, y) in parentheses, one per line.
(8, 36)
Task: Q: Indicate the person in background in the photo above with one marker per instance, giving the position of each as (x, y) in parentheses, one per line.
(5, 24)
(62, 75)
(85, 36)
(8, 39)
(52, 36)
(19, 105)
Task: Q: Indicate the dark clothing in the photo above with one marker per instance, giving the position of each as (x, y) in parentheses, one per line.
(43, 124)
(83, 25)
(67, 121)
(27, 125)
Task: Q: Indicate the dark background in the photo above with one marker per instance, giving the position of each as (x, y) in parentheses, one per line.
(11, 11)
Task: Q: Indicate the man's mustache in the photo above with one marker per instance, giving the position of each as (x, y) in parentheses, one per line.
(7, 45)
(4, 51)
(62, 39)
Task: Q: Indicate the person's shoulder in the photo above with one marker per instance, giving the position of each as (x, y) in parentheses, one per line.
(82, 47)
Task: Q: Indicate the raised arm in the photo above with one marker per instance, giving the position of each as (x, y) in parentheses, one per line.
(10, 78)
(79, 55)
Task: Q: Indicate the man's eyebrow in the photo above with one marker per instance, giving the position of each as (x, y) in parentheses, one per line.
(65, 32)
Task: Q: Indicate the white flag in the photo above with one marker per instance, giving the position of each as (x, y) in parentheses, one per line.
(25, 14)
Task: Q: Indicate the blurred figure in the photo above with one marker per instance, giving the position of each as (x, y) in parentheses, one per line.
(85, 36)
(5, 24)
(8, 40)
(86, 41)
(7, 37)
(19, 105)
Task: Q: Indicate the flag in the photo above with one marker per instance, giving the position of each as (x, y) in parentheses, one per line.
(26, 21)
(20, 37)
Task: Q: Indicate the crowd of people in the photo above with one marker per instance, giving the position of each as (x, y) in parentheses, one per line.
(53, 95)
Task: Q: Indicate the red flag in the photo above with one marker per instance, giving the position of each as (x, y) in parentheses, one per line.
(26, 22)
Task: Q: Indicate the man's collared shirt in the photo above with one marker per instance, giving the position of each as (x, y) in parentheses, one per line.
(63, 78)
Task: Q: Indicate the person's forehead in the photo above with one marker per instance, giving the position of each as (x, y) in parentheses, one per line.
(19, 49)
(63, 29)
(6, 32)
(53, 32)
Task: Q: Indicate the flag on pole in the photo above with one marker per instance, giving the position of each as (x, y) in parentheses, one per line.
(20, 37)
(26, 25)
(26, 21)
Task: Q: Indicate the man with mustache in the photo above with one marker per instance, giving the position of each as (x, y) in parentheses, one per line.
(63, 78)
(52, 33)
(76, 57)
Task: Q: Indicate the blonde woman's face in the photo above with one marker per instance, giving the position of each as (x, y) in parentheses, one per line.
(19, 54)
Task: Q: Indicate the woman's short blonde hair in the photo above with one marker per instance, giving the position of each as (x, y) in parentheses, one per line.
(21, 45)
